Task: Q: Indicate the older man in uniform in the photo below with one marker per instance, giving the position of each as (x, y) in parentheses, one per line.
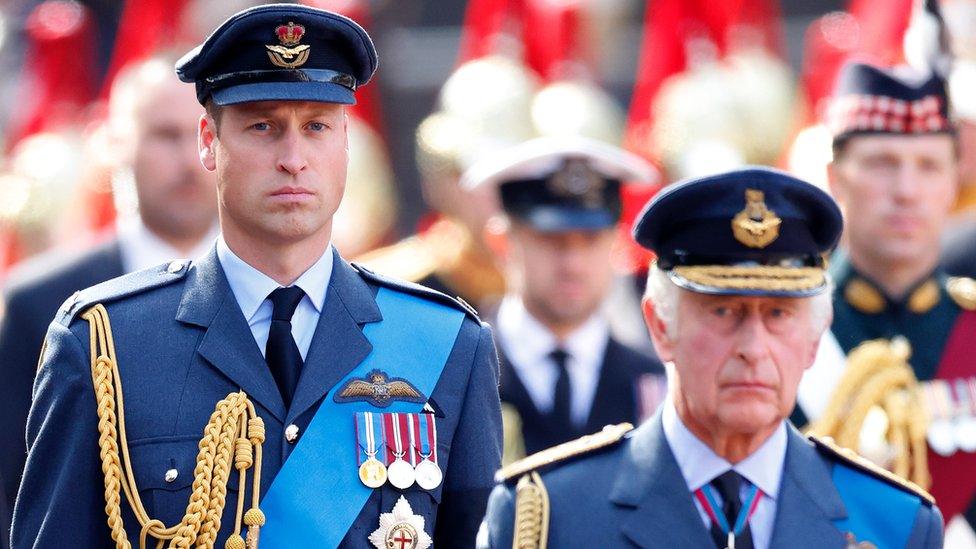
(372, 418)
(736, 302)
(895, 174)
(152, 126)
(562, 372)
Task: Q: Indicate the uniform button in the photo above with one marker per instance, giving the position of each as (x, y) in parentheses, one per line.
(291, 433)
(175, 266)
(171, 475)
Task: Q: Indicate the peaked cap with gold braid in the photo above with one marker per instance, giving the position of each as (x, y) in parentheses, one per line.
(754, 231)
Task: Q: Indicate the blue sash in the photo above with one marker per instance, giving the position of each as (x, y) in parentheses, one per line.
(317, 495)
(876, 511)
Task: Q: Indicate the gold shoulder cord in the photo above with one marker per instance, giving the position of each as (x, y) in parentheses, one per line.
(234, 431)
(531, 513)
(878, 376)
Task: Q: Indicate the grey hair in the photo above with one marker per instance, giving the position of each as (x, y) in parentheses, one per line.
(663, 293)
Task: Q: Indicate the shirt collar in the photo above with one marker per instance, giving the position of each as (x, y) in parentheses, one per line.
(585, 344)
(699, 464)
(251, 287)
(141, 248)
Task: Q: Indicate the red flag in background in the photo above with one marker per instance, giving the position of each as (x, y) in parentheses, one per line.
(556, 48)
(670, 28)
(485, 22)
(58, 75)
(145, 27)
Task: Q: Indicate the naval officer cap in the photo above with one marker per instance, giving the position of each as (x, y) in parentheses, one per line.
(754, 231)
(557, 184)
(281, 52)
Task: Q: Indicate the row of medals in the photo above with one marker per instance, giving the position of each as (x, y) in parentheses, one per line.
(952, 409)
(400, 473)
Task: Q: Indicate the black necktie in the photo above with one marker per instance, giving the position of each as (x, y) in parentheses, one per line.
(728, 484)
(562, 395)
(281, 353)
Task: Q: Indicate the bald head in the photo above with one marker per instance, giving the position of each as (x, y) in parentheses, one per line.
(153, 120)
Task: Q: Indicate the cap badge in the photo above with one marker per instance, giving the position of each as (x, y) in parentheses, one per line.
(401, 529)
(756, 226)
(576, 179)
(290, 54)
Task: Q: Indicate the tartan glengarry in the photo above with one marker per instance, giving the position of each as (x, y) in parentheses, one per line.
(878, 113)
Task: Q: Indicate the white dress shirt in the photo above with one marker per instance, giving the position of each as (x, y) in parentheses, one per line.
(251, 288)
(527, 344)
(141, 248)
(700, 465)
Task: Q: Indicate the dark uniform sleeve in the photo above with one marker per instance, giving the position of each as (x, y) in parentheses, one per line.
(21, 335)
(927, 531)
(500, 517)
(61, 502)
(476, 452)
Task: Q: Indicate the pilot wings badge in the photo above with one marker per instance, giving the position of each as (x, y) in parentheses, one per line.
(379, 389)
(756, 226)
(290, 54)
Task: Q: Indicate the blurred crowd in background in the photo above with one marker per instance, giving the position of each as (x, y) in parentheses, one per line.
(692, 86)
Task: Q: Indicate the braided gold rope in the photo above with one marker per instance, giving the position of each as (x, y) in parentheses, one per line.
(878, 375)
(760, 277)
(233, 435)
(531, 513)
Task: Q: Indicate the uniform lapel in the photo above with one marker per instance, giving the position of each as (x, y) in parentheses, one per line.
(808, 502)
(655, 504)
(338, 344)
(228, 343)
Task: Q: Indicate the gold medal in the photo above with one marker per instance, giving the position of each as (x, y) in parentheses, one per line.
(372, 473)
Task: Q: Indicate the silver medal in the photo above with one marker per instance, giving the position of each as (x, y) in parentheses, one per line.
(429, 475)
(401, 474)
(940, 437)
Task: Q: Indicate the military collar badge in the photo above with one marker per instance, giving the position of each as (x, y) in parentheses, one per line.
(401, 529)
(756, 226)
(379, 389)
(289, 54)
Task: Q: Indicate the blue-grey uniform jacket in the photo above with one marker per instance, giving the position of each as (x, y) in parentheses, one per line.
(632, 494)
(182, 345)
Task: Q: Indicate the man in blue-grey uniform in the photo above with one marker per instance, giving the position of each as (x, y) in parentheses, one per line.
(736, 303)
(346, 409)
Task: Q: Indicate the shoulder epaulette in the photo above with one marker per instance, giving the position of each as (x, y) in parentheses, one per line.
(123, 286)
(851, 458)
(409, 259)
(610, 435)
(418, 290)
(962, 290)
